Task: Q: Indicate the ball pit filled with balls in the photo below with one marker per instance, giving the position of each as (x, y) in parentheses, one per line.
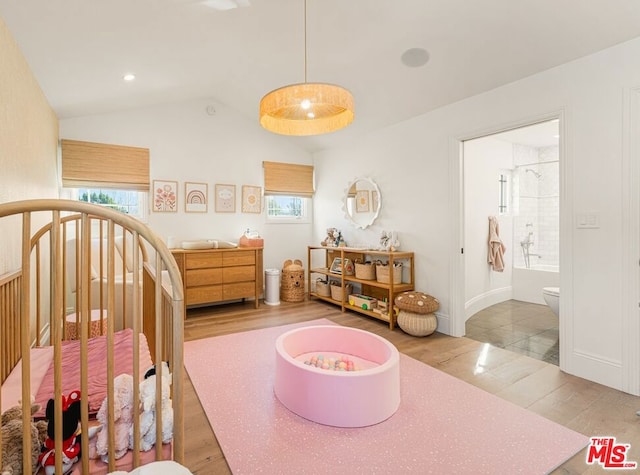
(316, 364)
(331, 362)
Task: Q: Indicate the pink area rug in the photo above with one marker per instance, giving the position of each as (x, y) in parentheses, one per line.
(443, 425)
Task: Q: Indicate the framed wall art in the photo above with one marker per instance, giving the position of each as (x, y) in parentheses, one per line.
(251, 199)
(375, 201)
(195, 197)
(362, 201)
(225, 198)
(165, 196)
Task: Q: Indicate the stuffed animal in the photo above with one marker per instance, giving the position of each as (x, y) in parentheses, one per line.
(149, 410)
(389, 241)
(12, 439)
(122, 416)
(70, 435)
(332, 239)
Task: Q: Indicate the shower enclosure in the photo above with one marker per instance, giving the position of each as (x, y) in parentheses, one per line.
(536, 195)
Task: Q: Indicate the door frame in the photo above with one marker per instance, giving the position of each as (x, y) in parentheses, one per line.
(631, 242)
(456, 199)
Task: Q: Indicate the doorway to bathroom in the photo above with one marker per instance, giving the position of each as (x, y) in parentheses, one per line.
(514, 177)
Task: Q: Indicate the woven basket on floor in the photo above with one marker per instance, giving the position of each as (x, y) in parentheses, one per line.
(292, 284)
(417, 324)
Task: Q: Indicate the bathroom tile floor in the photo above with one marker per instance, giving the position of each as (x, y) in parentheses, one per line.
(525, 328)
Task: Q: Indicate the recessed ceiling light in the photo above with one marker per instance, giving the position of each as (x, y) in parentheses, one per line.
(129, 77)
(415, 57)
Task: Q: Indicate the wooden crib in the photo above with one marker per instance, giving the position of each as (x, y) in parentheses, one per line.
(94, 275)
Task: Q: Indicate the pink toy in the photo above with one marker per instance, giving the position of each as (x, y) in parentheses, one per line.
(368, 396)
(123, 419)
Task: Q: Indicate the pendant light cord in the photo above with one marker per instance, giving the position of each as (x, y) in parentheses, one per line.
(305, 41)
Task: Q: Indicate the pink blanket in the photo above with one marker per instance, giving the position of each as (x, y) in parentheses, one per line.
(97, 365)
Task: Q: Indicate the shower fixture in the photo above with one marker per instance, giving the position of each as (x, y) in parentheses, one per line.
(535, 173)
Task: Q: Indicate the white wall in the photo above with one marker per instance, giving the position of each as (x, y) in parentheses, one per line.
(187, 144)
(412, 162)
(484, 158)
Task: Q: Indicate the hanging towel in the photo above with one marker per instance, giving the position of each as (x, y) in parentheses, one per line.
(496, 247)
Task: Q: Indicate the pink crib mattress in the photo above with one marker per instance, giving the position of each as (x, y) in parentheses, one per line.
(40, 359)
(42, 370)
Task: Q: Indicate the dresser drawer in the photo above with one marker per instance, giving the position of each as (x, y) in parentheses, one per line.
(238, 291)
(204, 294)
(197, 277)
(203, 260)
(238, 258)
(238, 274)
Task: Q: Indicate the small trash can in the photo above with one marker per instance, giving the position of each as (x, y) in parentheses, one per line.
(272, 286)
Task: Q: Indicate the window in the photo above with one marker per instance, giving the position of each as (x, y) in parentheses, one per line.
(288, 209)
(133, 203)
(288, 189)
(116, 176)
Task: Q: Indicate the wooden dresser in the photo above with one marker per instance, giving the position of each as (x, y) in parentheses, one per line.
(218, 275)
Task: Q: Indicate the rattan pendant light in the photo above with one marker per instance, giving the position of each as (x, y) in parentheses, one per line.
(306, 108)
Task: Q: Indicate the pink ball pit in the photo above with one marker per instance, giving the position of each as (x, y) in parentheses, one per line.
(338, 398)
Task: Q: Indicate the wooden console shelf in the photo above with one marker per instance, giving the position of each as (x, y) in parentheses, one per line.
(217, 275)
(371, 288)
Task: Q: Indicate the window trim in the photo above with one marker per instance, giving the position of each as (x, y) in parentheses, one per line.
(307, 218)
(143, 198)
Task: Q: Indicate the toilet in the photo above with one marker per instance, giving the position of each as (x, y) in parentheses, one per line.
(551, 296)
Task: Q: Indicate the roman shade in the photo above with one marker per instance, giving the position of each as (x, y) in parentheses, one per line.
(288, 179)
(97, 165)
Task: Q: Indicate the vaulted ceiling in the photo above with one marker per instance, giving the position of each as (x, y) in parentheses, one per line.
(79, 50)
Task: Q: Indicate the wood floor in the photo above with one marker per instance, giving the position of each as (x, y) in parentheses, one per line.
(586, 407)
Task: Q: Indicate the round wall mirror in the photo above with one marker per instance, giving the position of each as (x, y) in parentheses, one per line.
(362, 202)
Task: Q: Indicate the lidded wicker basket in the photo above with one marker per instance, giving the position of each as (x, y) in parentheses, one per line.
(416, 315)
(292, 283)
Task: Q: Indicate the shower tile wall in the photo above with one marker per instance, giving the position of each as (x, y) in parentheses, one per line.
(536, 201)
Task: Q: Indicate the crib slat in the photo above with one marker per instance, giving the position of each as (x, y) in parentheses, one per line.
(25, 295)
(83, 315)
(137, 308)
(158, 350)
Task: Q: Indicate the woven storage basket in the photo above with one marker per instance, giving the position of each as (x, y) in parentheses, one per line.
(323, 288)
(382, 274)
(366, 271)
(336, 291)
(292, 284)
(417, 324)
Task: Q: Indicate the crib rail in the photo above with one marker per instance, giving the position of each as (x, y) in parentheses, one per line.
(9, 322)
(89, 269)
